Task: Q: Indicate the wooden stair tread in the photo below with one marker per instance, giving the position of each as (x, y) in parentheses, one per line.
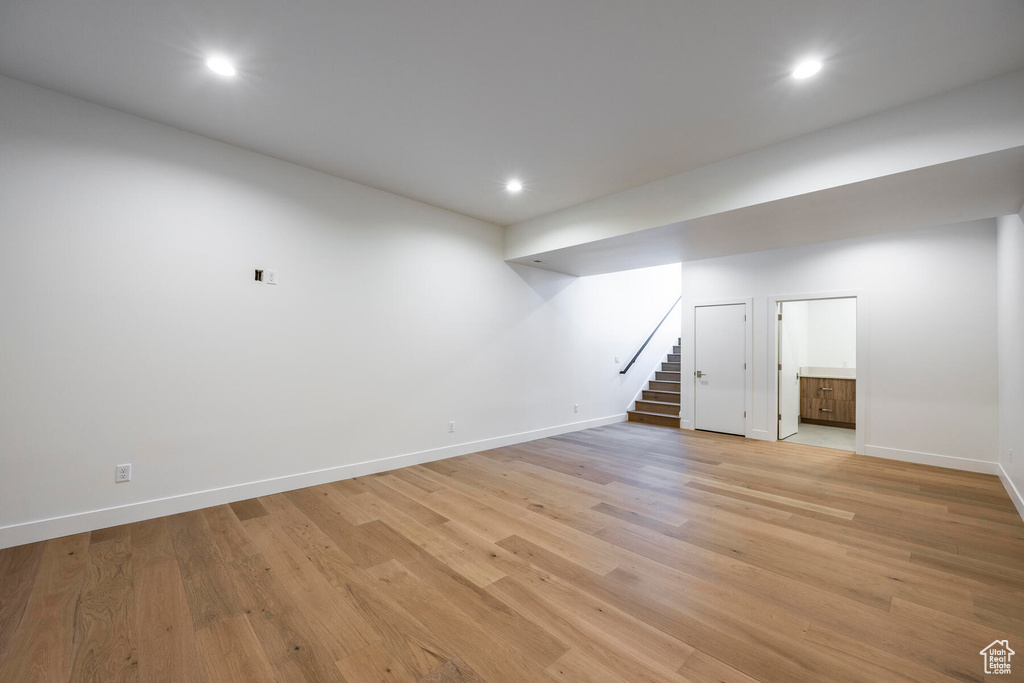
(673, 397)
(657, 419)
(644, 412)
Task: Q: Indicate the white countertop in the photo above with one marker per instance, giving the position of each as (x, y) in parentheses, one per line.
(829, 373)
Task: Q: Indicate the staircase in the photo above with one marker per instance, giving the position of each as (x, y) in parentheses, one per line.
(660, 402)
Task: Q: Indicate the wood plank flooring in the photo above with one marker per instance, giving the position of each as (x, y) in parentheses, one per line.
(623, 553)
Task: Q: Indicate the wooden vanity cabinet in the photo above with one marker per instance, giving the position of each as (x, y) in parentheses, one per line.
(828, 401)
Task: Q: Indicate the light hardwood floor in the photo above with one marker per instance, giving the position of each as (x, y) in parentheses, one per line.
(623, 553)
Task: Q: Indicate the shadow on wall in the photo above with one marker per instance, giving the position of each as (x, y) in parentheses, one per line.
(546, 283)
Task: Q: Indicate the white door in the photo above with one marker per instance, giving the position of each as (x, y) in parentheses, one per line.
(720, 350)
(789, 379)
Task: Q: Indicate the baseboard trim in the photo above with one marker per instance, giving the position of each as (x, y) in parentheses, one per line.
(948, 461)
(79, 522)
(1012, 491)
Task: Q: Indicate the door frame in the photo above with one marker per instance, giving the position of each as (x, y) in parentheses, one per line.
(689, 332)
(863, 371)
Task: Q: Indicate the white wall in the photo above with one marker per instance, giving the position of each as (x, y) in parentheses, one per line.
(133, 331)
(825, 331)
(1010, 273)
(926, 347)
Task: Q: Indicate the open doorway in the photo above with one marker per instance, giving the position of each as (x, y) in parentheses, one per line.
(817, 380)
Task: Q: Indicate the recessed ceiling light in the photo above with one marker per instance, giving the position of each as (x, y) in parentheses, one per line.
(221, 66)
(514, 186)
(806, 69)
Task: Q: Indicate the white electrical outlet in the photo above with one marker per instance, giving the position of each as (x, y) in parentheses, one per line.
(270, 277)
(123, 473)
(575, 407)
(451, 427)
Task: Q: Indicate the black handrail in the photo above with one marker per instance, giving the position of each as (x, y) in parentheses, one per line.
(656, 327)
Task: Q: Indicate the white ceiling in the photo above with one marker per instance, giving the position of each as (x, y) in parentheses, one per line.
(443, 100)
